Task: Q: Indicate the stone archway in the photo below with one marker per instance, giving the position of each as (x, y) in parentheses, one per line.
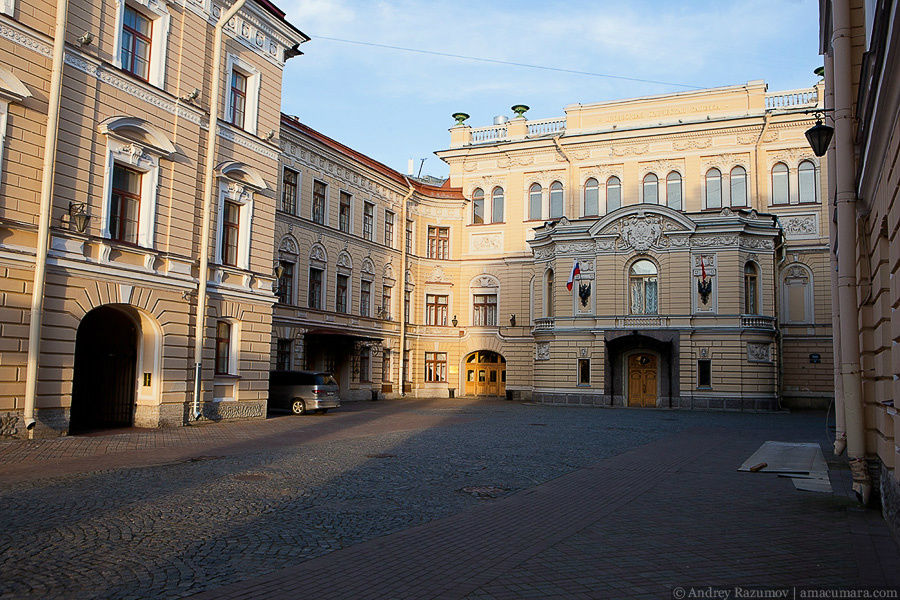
(642, 368)
(104, 386)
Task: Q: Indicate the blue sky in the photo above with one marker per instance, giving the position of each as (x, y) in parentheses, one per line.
(395, 105)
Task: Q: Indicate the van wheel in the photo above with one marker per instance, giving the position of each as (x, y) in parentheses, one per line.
(298, 407)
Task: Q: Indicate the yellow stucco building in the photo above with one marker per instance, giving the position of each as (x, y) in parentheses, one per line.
(695, 219)
(104, 110)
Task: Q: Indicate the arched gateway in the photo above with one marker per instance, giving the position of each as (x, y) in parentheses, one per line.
(105, 383)
(485, 374)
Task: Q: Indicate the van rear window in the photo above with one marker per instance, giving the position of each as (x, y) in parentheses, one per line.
(322, 379)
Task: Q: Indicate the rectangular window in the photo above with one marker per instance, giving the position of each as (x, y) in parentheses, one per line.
(344, 214)
(485, 310)
(286, 283)
(230, 232)
(318, 202)
(314, 298)
(364, 371)
(369, 221)
(125, 204)
(435, 366)
(407, 376)
(136, 37)
(436, 309)
(365, 296)
(223, 347)
(388, 229)
(238, 98)
(407, 302)
(386, 375)
(386, 293)
(704, 373)
(584, 371)
(283, 355)
(409, 237)
(289, 192)
(439, 242)
(340, 294)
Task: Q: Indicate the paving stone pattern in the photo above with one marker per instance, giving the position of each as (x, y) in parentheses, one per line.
(297, 499)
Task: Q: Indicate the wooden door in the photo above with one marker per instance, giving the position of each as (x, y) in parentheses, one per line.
(642, 375)
(485, 374)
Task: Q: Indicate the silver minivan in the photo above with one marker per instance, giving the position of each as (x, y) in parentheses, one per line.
(303, 392)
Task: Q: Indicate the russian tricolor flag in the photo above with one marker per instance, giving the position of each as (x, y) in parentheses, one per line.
(576, 270)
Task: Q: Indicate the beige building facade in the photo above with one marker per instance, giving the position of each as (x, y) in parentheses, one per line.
(119, 298)
(695, 219)
(859, 42)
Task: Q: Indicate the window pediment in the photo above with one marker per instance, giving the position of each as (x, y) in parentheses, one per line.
(667, 220)
(11, 88)
(140, 134)
(243, 174)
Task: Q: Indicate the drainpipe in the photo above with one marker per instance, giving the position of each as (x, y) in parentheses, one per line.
(840, 428)
(758, 170)
(846, 257)
(215, 81)
(571, 174)
(43, 240)
(403, 262)
(779, 334)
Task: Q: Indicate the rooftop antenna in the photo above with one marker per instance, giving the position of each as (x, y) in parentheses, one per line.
(421, 164)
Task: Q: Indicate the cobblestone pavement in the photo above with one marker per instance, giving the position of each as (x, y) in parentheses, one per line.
(624, 491)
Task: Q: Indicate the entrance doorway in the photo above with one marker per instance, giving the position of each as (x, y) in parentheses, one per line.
(485, 374)
(642, 380)
(104, 384)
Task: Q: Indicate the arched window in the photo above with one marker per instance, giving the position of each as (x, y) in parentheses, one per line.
(806, 176)
(556, 200)
(751, 289)
(644, 288)
(714, 188)
(591, 198)
(673, 190)
(497, 205)
(613, 194)
(780, 186)
(535, 195)
(478, 206)
(548, 293)
(651, 188)
(738, 186)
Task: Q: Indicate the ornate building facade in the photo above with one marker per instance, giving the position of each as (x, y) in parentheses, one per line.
(101, 218)
(695, 221)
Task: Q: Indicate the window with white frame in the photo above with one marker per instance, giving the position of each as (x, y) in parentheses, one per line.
(591, 198)
(713, 189)
(226, 351)
(344, 210)
(613, 194)
(738, 186)
(368, 221)
(478, 206)
(141, 40)
(556, 200)
(234, 225)
(651, 189)
(242, 94)
(673, 190)
(497, 205)
(806, 183)
(12, 90)
(289, 191)
(319, 204)
(388, 229)
(365, 297)
(134, 149)
(781, 188)
(535, 201)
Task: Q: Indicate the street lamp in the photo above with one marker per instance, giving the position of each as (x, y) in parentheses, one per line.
(78, 215)
(819, 136)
